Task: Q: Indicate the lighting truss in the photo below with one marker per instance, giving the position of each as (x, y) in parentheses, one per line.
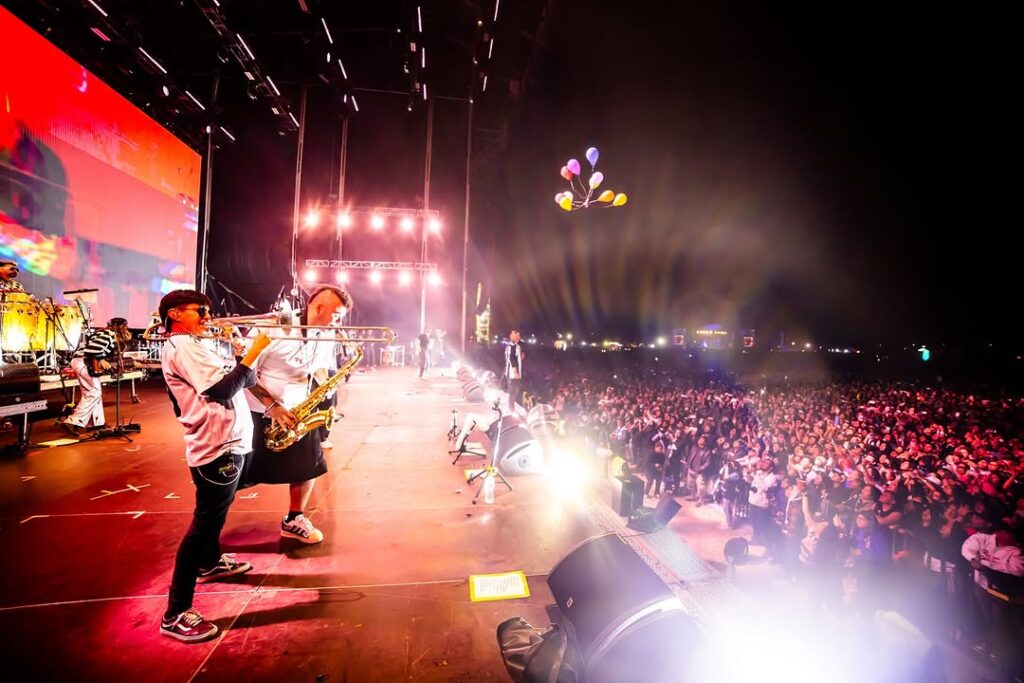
(247, 60)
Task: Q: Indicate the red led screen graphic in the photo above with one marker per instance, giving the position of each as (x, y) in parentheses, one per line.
(93, 193)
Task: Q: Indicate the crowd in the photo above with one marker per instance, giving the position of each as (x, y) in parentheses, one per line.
(852, 488)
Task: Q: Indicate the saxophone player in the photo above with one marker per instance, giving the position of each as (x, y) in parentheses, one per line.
(283, 376)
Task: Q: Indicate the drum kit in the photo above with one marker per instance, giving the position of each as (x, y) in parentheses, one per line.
(35, 331)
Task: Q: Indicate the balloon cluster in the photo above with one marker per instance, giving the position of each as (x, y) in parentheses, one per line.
(581, 195)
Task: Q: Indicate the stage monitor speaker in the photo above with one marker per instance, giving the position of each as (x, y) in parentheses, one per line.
(518, 451)
(542, 420)
(19, 378)
(603, 588)
(665, 510)
(655, 648)
(472, 391)
(648, 522)
(628, 494)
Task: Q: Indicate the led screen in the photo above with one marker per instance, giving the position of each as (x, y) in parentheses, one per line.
(93, 193)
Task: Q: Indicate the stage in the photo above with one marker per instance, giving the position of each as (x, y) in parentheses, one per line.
(89, 533)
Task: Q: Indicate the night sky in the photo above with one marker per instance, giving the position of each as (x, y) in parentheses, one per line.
(836, 171)
(829, 171)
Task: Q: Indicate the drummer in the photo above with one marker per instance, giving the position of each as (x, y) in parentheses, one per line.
(8, 276)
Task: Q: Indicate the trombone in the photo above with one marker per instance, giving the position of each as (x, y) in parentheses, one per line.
(266, 321)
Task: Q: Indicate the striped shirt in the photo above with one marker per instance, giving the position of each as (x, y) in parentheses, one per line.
(100, 345)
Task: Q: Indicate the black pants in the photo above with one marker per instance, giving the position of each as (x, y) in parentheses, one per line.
(515, 392)
(216, 483)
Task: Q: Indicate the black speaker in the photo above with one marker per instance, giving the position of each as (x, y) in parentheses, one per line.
(655, 648)
(627, 494)
(472, 391)
(518, 451)
(603, 588)
(665, 510)
(19, 378)
(648, 522)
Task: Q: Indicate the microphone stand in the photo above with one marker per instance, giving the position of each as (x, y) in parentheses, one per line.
(492, 469)
(119, 430)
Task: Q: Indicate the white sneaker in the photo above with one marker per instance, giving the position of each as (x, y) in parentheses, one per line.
(301, 529)
(326, 444)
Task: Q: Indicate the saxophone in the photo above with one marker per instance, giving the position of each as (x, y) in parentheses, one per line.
(309, 418)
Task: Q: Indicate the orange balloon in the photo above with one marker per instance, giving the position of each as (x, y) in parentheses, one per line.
(606, 196)
(620, 199)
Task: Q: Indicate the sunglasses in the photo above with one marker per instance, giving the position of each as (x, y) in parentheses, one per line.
(201, 311)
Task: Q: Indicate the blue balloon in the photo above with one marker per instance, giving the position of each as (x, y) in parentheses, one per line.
(592, 155)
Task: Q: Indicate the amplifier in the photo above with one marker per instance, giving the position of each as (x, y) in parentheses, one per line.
(19, 378)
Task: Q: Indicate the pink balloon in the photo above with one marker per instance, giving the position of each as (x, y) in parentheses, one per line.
(573, 166)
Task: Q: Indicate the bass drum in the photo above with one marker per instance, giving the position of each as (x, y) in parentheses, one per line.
(19, 317)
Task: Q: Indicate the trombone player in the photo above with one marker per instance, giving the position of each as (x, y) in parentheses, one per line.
(283, 376)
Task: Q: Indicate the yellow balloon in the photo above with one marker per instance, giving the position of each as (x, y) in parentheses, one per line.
(566, 203)
(606, 196)
(620, 199)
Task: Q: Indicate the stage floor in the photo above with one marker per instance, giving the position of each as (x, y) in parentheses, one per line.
(89, 533)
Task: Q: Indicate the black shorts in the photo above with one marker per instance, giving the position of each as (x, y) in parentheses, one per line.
(302, 461)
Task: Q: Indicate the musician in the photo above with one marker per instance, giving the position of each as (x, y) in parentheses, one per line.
(424, 341)
(208, 401)
(8, 276)
(514, 366)
(283, 381)
(89, 364)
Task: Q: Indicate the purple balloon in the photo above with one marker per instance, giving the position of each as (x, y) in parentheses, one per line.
(573, 166)
(592, 155)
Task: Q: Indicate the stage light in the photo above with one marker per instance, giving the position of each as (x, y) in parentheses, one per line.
(661, 341)
(496, 3)
(404, 278)
(193, 98)
(273, 86)
(102, 36)
(312, 219)
(150, 58)
(294, 120)
(344, 75)
(309, 276)
(376, 220)
(342, 277)
(490, 50)
(423, 58)
(165, 90)
(419, 18)
(344, 220)
(327, 31)
(355, 105)
(376, 277)
(485, 83)
(245, 45)
(98, 8)
(225, 131)
(434, 278)
(407, 224)
(435, 226)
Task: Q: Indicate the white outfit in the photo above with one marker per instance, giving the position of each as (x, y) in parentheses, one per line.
(90, 404)
(284, 369)
(212, 428)
(1003, 558)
